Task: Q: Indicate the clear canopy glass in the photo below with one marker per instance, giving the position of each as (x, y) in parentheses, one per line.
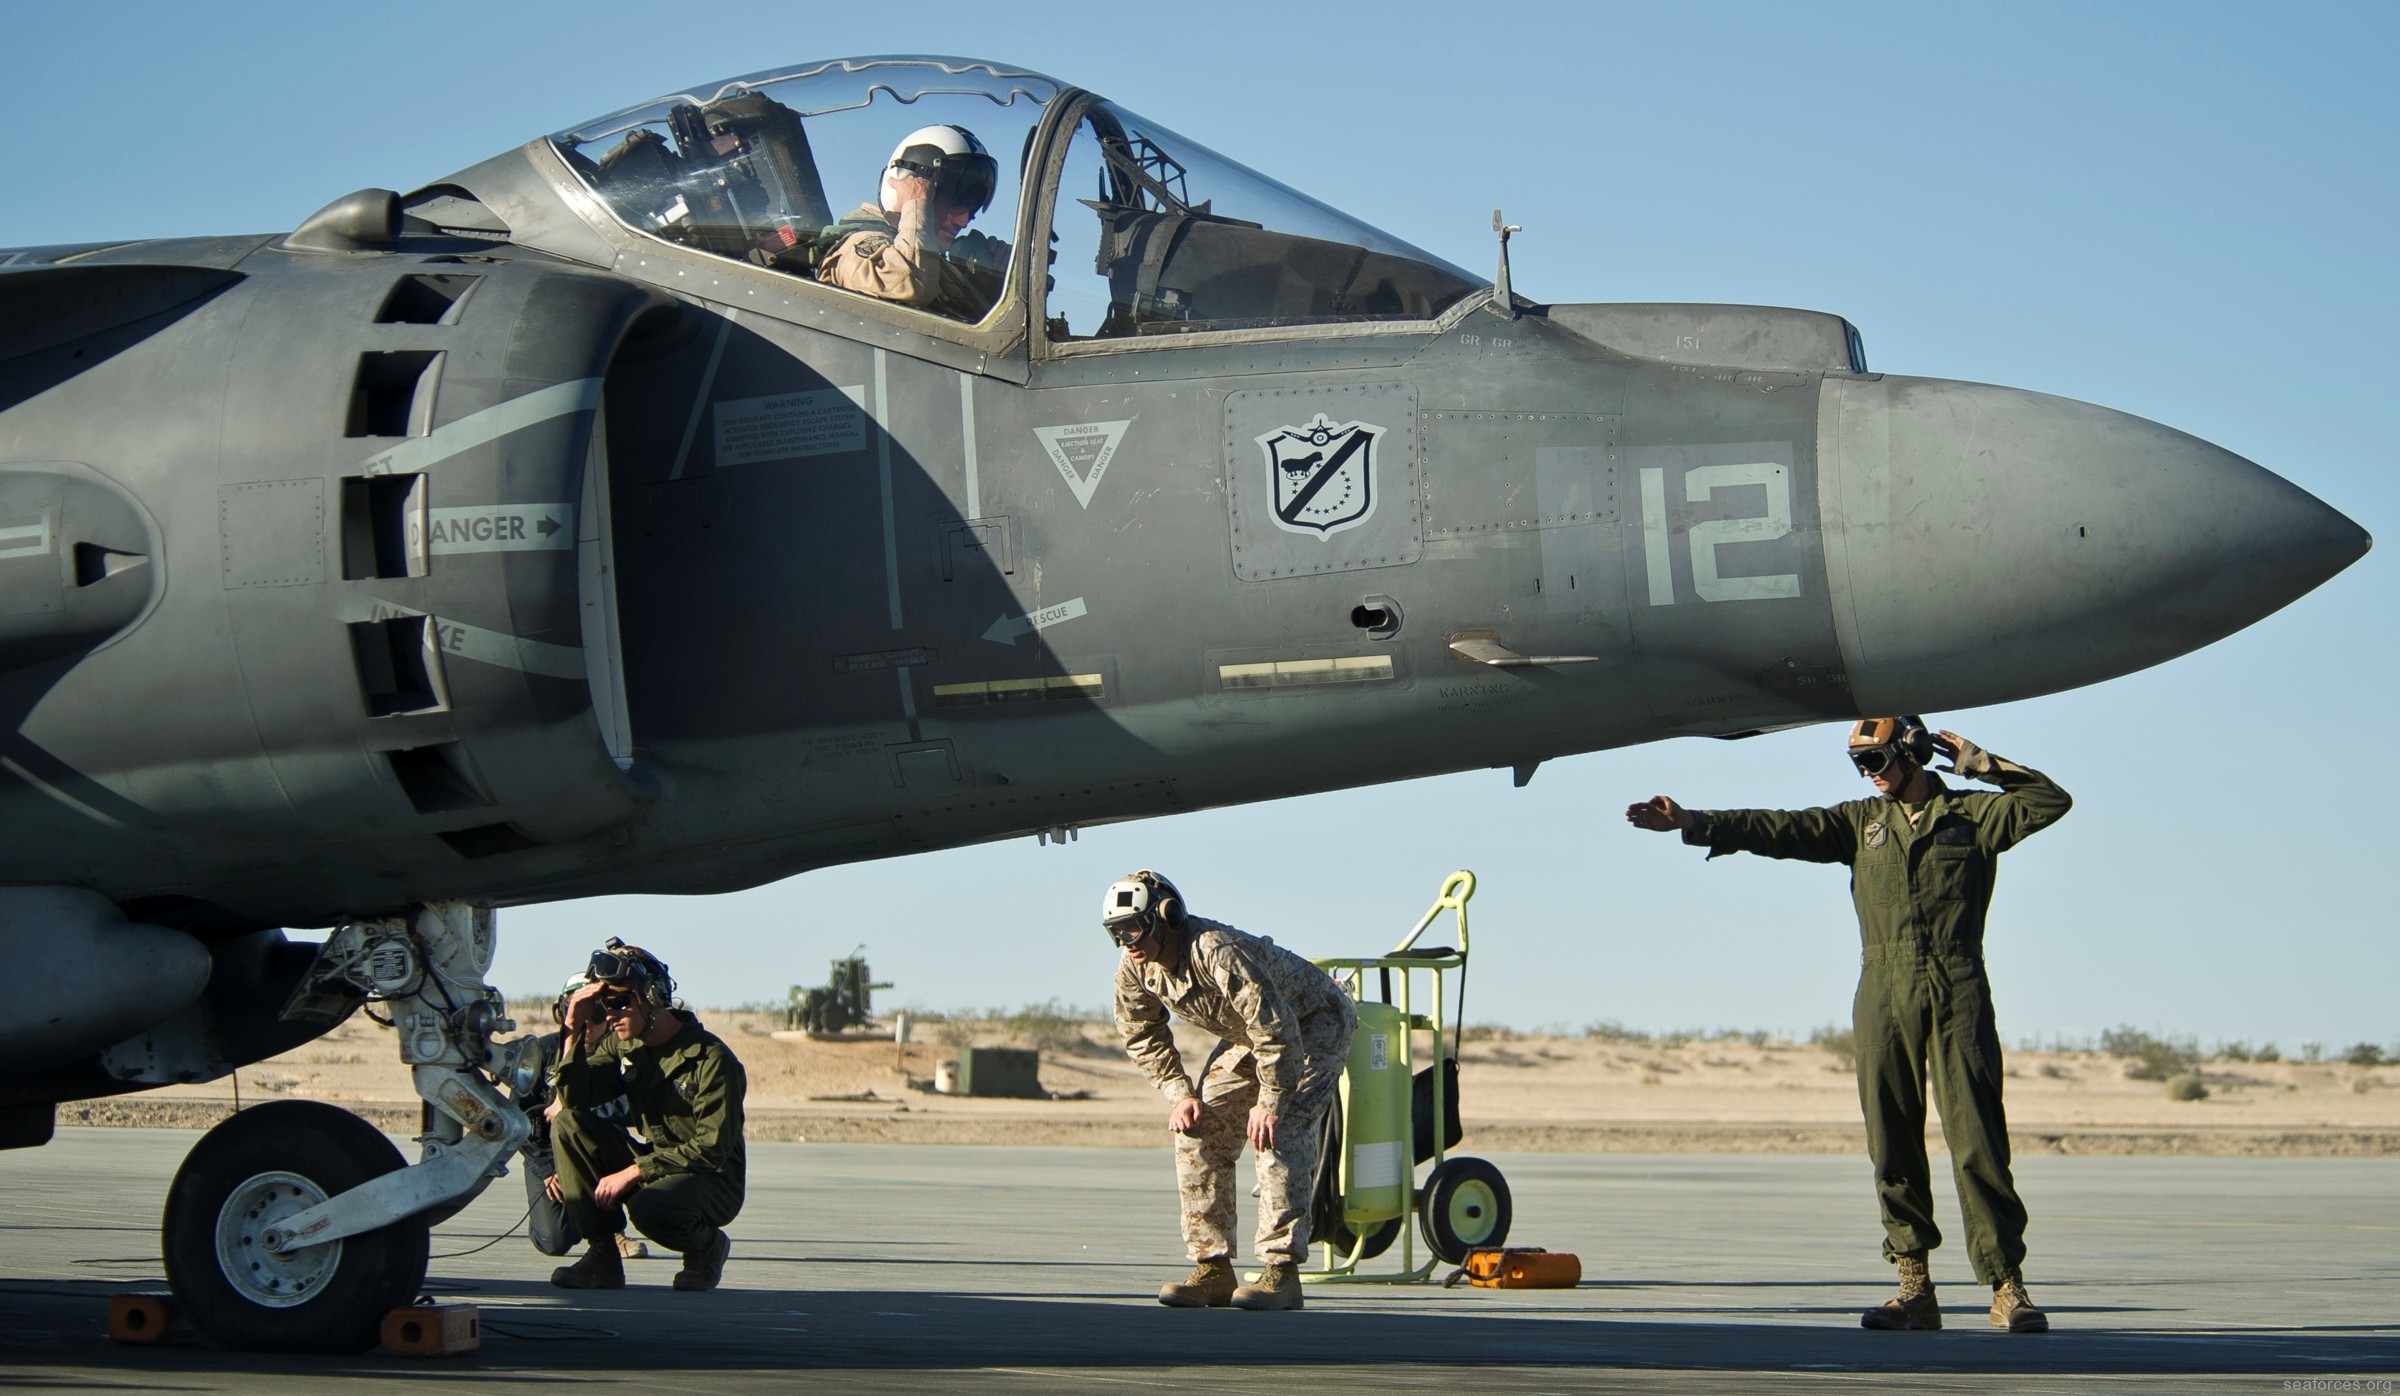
(759, 167)
(1156, 234)
(1152, 234)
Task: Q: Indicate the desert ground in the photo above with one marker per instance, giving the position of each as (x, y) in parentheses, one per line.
(1518, 1092)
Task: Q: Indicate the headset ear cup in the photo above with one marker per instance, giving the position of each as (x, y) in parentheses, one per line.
(1170, 910)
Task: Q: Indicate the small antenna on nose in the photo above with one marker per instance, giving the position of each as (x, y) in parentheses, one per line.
(1504, 301)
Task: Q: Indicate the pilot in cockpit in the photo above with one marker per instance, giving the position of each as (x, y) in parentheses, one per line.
(912, 246)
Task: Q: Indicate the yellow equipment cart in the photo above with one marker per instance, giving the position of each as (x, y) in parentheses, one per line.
(1397, 1117)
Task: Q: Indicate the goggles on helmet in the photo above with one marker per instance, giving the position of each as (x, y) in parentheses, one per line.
(631, 966)
(614, 966)
(1873, 761)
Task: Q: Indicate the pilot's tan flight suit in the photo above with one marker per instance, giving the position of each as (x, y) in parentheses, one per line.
(874, 256)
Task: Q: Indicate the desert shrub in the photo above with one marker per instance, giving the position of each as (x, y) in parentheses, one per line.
(2312, 1052)
(2149, 1058)
(2236, 1051)
(1834, 1038)
(1610, 1030)
(1048, 1026)
(2362, 1085)
(2363, 1054)
(1488, 1032)
(2186, 1087)
(2269, 1053)
(1676, 1039)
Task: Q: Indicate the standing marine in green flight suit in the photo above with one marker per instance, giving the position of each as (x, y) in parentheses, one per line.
(1922, 859)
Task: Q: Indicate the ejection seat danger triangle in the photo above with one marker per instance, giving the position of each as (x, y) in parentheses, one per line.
(1082, 451)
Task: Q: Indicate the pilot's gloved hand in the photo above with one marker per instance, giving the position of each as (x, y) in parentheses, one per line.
(990, 253)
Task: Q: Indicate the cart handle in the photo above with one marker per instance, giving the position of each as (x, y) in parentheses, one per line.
(1456, 889)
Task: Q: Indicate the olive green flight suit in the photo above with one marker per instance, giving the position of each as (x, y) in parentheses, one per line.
(1922, 886)
(686, 1099)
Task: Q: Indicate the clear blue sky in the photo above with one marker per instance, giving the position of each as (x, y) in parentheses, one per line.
(2186, 211)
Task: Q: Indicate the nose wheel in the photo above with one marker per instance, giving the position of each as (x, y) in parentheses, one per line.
(243, 1178)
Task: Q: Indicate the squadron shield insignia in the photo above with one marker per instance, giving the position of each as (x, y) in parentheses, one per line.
(1324, 475)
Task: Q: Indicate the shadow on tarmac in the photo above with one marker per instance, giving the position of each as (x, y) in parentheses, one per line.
(531, 1329)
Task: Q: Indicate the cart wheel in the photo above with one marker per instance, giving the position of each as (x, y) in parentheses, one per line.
(1464, 1207)
(1380, 1236)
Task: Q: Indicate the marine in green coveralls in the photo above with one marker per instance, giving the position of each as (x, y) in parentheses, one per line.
(682, 1087)
(1922, 860)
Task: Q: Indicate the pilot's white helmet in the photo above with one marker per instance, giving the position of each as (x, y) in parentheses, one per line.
(962, 171)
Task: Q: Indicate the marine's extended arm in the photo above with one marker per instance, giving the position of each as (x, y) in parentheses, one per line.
(1821, 835)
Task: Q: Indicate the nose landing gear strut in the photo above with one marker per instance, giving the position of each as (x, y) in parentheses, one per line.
(295, 1226)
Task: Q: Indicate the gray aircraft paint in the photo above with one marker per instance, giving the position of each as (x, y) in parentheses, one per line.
(837, 579)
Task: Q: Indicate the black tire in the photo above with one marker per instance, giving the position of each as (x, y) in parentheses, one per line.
(1380, 1236)
(1464, 1207)
(284, 1157)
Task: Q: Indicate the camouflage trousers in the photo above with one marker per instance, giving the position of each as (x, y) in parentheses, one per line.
(1287, 1173)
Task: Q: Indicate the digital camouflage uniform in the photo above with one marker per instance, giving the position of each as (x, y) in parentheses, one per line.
(1921, 877)
(1286, 1030)
(685, 1098)
(869, 253)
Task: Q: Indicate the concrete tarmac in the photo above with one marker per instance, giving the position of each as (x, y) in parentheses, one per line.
(866, 1268)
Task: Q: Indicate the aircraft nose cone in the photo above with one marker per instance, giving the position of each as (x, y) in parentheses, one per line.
(1985, 544)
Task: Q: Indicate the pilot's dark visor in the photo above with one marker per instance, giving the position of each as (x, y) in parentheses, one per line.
(963, 181)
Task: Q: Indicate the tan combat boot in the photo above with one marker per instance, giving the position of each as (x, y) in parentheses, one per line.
(629, 1248)
(1914, 1309)
(2012, 1310)
(704, 1264)
(600, 1268)
(1209, 1287)
(1277, 1288)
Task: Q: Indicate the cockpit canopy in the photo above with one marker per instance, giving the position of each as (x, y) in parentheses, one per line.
(1149, 233)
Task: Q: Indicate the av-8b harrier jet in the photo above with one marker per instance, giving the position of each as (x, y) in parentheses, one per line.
(566, 527)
